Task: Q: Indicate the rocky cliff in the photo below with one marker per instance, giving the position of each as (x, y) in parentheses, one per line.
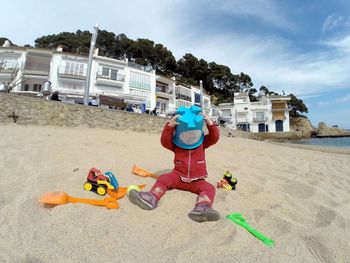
(303, 125)
(324, 131)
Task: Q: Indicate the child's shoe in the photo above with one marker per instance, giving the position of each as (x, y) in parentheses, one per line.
(145, 200)
(203, 212)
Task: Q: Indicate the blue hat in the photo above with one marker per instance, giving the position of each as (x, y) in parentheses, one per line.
(189, 131)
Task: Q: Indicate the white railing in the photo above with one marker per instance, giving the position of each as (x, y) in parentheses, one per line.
(164, 90)
(260, 119)
(6, 65)
(117, 77)
(71, 72)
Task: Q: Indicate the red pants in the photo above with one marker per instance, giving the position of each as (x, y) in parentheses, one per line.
(165, 182)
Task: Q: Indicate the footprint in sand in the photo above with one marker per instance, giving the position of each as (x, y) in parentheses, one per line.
(324, 217)
(281, 225)
(318, 250)
(299, 190)
(221, 197)
(30, 259)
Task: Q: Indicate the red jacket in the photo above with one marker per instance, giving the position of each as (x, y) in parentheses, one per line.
(190, 165)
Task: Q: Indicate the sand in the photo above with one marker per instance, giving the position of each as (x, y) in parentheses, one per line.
(297, 197)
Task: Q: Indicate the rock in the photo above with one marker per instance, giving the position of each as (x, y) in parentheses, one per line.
(303, 125)
(325, 131)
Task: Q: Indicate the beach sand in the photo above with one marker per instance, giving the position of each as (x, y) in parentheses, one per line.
(298, 197)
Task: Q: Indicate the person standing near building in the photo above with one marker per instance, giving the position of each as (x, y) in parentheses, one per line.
(55, 96)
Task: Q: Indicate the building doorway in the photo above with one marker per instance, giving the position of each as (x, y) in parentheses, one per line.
(261, 127)
(279, 126)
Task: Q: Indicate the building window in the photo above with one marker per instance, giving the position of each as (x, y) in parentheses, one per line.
(161, 106)
(226, 113)
(73, 86)
(37, 87)
(114, 74)
(197, 98)
(180, 103)
(75, 69)
(105, 72)
(141, 81)
(183, 93)
(140, 93)
(26, 87)
(260, 116)
(110, 73)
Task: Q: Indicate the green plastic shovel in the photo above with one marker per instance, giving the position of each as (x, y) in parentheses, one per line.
(239, 220)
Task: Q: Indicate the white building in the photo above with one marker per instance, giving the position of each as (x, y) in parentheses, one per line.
(123, 80)
(25, 69)
(10, 61)
(165, 95)
(196, 99)
(113, 82)
(183, 93)
(68, 75)
(269, 114)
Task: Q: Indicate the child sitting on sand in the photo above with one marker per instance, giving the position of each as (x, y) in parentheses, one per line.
(186, 139)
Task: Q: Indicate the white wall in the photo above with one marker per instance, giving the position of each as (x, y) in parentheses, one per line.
(13, 58)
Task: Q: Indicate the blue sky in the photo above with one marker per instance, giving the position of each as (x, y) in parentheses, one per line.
(301, 47)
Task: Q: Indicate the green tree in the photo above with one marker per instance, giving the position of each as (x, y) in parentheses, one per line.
(244, 82)
(187, 64)
(251, 93)
(221, 78)
(164, 61)
(3, 39)
(297, 106)
(106, 43)
(264, 89)
(123, 45)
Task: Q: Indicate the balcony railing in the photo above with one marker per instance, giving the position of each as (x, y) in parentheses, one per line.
(183, 97)
(8, 66)
(259, 119)
(242, 109)
(164, 90)
(115, 77)
(281, 109)
(36, 67)
(72, 73)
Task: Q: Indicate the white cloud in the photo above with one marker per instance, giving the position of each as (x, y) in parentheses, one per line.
(265, 10)
(334, 101)
(333, 21)
(274, 63)
(323, 103)
(344, 99)
(342, 43)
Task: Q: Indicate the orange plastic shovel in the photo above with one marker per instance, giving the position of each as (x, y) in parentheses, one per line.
(61, 198)
(142, 172)
(122, 191)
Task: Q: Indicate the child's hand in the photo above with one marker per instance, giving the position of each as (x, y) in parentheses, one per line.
(207, 120)
(172, 123)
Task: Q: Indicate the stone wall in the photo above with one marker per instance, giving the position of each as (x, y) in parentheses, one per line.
(35, 111)
(262, 136)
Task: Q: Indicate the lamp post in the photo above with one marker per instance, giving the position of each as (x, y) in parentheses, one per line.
(88, 72)
(202, 96)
